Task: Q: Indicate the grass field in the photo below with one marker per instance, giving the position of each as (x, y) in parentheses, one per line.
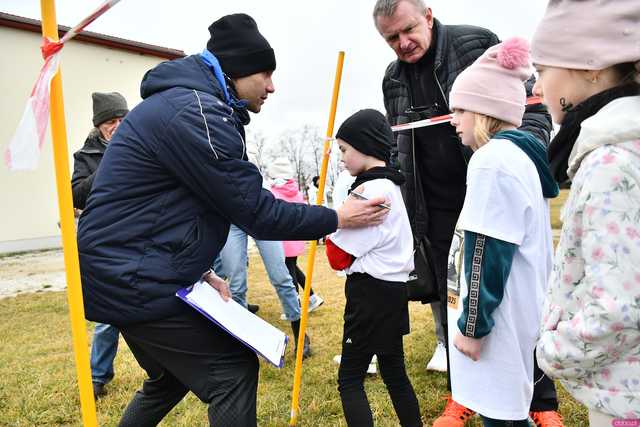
(556, 205)
(38, 385)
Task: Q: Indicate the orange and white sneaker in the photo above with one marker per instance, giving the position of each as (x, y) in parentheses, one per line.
(546, 419)
(454, 415)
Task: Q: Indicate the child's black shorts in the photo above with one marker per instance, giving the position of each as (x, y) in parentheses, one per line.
(376, 314)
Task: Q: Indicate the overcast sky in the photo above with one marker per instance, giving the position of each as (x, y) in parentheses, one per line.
(306, 37)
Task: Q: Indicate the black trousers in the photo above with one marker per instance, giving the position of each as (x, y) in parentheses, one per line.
(296, 274)
(442, 224)
(441, 227)
(544, 390)
(351, 375)
(189, 353)
(490, 422)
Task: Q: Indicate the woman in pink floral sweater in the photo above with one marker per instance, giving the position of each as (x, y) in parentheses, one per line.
(588, 59)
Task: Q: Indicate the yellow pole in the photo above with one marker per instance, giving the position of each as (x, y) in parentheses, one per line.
(297, 376)
(69, 244)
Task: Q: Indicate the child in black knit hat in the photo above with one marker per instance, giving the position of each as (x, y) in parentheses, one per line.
(377, 261)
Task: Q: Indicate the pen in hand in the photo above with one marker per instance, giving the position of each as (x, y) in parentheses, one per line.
(362, 197)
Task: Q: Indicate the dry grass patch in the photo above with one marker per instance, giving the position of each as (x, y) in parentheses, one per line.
(556, 206)
(38, 385)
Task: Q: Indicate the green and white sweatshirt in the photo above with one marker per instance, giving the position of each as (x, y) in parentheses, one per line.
(498, 271)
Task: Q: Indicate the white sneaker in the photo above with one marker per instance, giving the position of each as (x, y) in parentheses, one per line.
(438, 361)
(372, 369)
(315, 302)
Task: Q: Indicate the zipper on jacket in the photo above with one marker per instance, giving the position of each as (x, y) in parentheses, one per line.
(407, 88)
(435, 77)
(413, 158)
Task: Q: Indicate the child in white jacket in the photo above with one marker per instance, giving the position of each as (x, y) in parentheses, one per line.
(587, 54)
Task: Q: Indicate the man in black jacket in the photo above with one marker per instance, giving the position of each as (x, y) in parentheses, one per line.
(416, 86)
(172, 180)
(108, 111)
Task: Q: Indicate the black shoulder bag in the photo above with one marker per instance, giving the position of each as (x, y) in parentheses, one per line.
(422, 284)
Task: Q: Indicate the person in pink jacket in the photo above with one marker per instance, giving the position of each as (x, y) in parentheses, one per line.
(286, 188)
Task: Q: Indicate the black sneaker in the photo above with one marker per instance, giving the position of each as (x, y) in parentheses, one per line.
(253, 308)
(98, 390)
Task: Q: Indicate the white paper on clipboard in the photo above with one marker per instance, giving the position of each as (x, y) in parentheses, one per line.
(254, 332)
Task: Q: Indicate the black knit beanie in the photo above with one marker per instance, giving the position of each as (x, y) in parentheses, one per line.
(239, 46)
(107, 106)
(368, 132)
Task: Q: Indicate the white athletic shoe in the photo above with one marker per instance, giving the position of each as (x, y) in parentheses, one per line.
(315, 302)
(438, 361)
(372, 369)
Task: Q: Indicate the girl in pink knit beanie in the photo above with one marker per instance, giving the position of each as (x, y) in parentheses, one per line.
(587, 54)
(502, 249)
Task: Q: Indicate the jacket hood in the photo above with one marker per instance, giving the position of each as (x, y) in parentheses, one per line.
(288, 189)
(615, 123)
(537, 152)
(190, 73)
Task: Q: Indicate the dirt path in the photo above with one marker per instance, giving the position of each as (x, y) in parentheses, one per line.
(32, 272)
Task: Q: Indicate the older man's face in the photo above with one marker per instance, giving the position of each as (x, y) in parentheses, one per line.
(108, 128)
(407, 31)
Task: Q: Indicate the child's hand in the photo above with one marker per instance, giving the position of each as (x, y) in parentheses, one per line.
(551, 319)
(468, 346)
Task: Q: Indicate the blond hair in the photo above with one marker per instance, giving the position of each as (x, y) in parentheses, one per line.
(485, 127)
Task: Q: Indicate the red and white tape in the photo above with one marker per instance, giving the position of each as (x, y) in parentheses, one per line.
(445, 118)
(24, 148)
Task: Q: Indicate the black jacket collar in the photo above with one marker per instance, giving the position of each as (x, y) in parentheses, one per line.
(94, 144)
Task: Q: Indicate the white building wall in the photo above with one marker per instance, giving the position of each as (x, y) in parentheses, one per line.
(28, 207)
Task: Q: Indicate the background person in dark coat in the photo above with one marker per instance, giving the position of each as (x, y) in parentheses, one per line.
(108, 112)
(416, 86)
(172, 180)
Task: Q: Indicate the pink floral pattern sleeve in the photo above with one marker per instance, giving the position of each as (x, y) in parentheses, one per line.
(590, 337)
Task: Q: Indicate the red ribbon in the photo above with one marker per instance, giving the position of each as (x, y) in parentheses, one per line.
(49, 47)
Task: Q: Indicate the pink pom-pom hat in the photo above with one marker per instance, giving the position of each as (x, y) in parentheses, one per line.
(494, 84)
(513, 53)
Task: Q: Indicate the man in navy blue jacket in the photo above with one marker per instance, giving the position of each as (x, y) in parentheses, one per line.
(173, 178)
